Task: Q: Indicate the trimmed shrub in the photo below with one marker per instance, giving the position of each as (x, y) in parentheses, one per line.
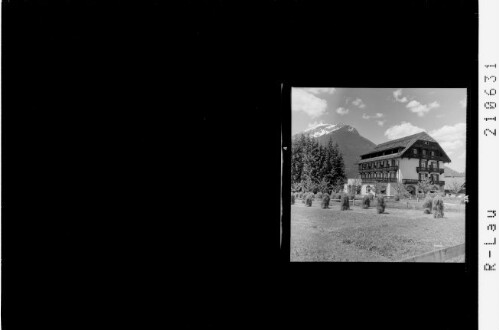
(427, 211)
(345, 204)
(366, 202)
(308, 200)
(427, 204)
(304, 198)
(381, 204)
(397, 198)
(438, 207)
(319, 195)
(292, 199)
(325, 201)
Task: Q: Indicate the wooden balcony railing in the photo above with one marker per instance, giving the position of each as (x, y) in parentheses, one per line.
(412, 181)
(430, 169)
(379, 168)
(374, 180)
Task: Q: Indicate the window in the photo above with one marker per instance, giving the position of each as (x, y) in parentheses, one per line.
(415, 151)
(424, 152)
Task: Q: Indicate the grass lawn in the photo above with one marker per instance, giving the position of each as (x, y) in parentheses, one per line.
(363, 235)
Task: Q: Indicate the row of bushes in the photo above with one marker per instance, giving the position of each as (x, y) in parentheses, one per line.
(344, 199)
(380, 206)
(333, 195)
(436, 204)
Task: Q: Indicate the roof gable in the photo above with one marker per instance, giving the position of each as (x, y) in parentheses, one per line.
(404, 142)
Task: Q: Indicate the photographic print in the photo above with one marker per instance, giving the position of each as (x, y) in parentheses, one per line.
(378, 174)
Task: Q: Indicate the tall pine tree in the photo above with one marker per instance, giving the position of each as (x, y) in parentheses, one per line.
(313, 165)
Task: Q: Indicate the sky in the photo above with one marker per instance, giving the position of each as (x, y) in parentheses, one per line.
(383, 114)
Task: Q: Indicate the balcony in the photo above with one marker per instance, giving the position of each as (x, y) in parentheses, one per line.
(426, 156)
(380, 169)
(430, 169)
(374, 180)
(411, 181)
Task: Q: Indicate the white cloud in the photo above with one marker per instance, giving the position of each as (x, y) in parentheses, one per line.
(308, 103)
(450, 138)
(320, 90)
(453, 140)
(421, 109)
(397, 97)
(377, 115)
(401, 130)
(359, 103)
(463, 103)
(342, 111)
(381, 122)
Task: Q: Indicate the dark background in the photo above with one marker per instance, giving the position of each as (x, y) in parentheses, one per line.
(140, 158)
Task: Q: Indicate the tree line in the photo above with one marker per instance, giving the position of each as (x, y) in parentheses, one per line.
(315, 167)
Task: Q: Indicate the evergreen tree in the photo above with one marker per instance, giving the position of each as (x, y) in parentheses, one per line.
(314, 161)
(314, 167)
(339, 164)
(297, 152)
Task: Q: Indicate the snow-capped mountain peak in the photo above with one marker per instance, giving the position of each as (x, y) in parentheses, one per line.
(323, 129)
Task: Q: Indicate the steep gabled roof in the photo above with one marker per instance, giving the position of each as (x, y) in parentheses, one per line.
(405, 143)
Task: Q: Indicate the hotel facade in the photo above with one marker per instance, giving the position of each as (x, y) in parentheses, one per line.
(407, 160)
